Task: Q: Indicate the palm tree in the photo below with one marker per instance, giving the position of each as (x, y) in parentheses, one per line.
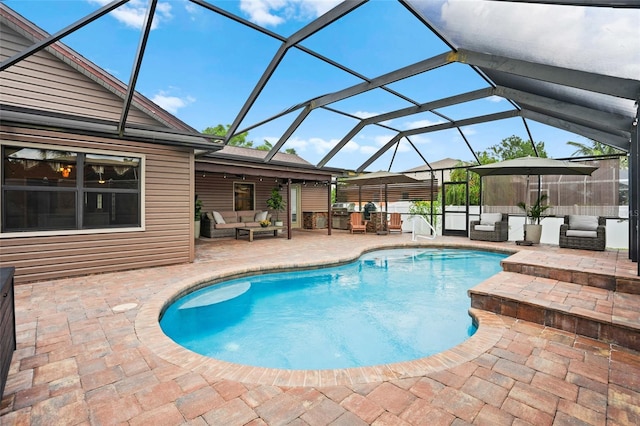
(597, 149)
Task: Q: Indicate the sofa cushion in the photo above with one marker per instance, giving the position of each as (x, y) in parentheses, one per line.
(209, 216)
(218, 217)
(581, 233)
(481, 227)
(226, 225)
(246, 219)
(490, 218)
(229, 216)
(583, 223)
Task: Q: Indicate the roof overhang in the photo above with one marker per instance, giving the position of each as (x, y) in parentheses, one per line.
(216, 163)
(10, 116)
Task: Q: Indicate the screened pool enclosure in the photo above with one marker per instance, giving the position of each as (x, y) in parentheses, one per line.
(373, 85)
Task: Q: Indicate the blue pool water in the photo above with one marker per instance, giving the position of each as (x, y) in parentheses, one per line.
(388, 306)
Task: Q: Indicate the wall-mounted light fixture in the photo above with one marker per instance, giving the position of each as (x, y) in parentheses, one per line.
(65, 171)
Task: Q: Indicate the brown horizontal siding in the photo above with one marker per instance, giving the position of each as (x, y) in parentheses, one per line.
(314, 198)
(216, 193)
(168, 234)
(44, 82)
(79, 270)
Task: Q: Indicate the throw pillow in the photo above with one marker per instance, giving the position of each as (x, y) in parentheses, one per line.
(583, 223)
(261, 216)
(218, 217)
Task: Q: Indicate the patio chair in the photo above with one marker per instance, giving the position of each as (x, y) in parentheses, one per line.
(356, 223)
(395, 222)
(490, 227)
(583, 232)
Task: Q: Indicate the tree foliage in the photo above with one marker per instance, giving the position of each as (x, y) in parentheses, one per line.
(239, 140)
(426, 209)
(267, 146)
(595, 149)
(455, 194)
(510, 148)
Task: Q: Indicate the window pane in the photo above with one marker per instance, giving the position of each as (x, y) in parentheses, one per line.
(111, 172)
(243, 196)
(39, 167)
(108, 209)
(39, 210)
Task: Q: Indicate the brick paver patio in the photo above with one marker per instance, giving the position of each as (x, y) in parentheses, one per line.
(89, 353)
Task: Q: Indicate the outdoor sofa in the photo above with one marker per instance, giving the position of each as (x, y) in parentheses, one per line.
(583, 232)
(490, 227)
(224, 223)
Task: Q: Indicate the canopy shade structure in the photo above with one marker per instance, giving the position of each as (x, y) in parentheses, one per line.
(533, 166)
(380, 178)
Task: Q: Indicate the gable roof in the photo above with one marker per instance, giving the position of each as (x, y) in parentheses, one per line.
(29, 106)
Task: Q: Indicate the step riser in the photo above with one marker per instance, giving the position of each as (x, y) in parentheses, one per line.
(588, 327)
(606, 282)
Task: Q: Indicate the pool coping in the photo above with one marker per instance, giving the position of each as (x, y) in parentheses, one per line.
(147, 326)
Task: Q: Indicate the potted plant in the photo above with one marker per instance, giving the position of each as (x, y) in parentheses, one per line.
(276, 203)
(198, 213)
(533, 230)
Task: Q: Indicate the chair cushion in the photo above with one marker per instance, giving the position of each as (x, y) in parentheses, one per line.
(583, 223)
(581, 233)
(218, 217)
(481, 227)
(490, 218)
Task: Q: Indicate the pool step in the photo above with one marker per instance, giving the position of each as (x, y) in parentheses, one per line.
(601, 271)
(599, 313)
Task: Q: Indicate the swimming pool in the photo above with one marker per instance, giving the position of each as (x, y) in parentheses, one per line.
(388, 306)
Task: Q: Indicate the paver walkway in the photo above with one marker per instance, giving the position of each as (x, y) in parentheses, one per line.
(81, 360)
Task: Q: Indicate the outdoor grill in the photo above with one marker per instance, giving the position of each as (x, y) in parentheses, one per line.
(340, 215)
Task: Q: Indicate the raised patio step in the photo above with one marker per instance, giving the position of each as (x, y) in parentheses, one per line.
(594, 269)
(606, 315)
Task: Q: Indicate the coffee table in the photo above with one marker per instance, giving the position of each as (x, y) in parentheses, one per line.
(250, 230)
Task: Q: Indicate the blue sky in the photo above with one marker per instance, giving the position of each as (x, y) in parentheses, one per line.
(201, 66)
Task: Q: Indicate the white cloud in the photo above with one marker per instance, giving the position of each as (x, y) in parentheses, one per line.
(495, 99)
(603, 40)
(132, 14)
(421, 123)
(420, 139)
(192, 9)
(369, 150)
(364, 114)
(275, 12)
(172, 103)
(300, 145)
(351, 146)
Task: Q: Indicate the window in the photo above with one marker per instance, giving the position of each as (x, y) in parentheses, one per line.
(243, 196)
(44, 189)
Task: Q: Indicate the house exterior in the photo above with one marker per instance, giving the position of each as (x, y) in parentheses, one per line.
(78, 197)
(86, 191)
(223, 175)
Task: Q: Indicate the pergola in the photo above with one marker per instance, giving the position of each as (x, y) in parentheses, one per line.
(594, 94)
